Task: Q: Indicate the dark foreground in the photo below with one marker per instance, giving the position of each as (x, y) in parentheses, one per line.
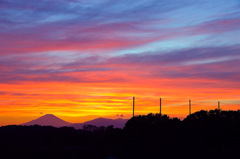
(205, 134)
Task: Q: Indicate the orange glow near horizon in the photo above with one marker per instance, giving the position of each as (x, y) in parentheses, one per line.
(79, 102)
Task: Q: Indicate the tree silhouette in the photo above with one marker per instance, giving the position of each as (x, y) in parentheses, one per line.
(151, 122)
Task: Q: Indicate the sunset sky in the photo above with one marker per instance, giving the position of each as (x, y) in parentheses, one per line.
(80, 60)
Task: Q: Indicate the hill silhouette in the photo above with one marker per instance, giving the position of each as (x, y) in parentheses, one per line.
(117, 123)
(203, 134)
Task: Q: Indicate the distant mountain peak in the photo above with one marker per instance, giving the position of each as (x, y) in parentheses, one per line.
(49, 116)
(117, 123)
(48, 120)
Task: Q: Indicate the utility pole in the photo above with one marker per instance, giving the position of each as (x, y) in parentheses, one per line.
(133, 105)
(160, 106)
(189, 107)
(218, 105)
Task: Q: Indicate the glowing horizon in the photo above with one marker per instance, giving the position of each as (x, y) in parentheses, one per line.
(82, 60)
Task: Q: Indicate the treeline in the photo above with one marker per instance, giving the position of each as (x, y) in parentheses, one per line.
(204, 134)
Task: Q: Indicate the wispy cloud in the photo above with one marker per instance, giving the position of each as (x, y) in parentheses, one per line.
(209, 62)
(67, 55)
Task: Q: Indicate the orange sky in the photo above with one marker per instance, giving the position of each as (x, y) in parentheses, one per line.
(79, 102)
(83, 60)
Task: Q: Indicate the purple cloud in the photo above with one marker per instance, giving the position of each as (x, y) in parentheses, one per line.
(219, 63)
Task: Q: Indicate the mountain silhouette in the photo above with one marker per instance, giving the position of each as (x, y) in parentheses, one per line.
(117, 123)
(52, 120)
(48, 120)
